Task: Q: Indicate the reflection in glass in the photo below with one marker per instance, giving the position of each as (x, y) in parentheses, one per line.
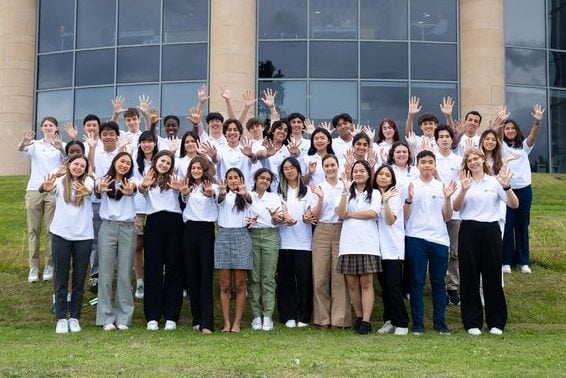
(291, 97)
(379, 100)
(556, 22)
(185, 21)
(524, 66)
(282, 59)
(282, 19)
(434, 61)
(177, 98)
(96, 23)
(557, 113)
(131, 93)
(524, 23)
(557, 69)
(520, 102)
(92, 101)
(184, 62)
(54, 70)
(383, 60)
(138, 64)
(431, 95)
(139, 22)
(328, 98)
(433, 20)
(56, 25)
(58, 104)
(94, 67)
(333, 59)
(383, 19)
(333, 19)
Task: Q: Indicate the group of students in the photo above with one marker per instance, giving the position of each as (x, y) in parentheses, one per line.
(302, 222)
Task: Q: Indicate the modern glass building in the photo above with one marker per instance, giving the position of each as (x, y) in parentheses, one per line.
(323, 57)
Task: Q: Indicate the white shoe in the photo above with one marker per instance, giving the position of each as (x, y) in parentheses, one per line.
(152, 325)
(401, 331)
(196, 328)
(122, 327)
(170, 325)
(74, 325)
(506, 268)
(496, 331)
(474, 331)
(62, 326)
(48, 273)
(302, 325)
(109, 327)
(291, 323)
(139, 292)
(33, 275)
(257, 324)
(525, 269)
(267, 324)
(387, 327)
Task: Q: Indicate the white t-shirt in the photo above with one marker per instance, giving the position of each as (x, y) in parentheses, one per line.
(448, 169)
(139, 198)
(199, 207)
(229, 157)
(360, 236)
(340, 147)
(44, 159)
(157, 200)
(298, 236)
(228, 214)
(330, 202)
(69, 221)
(392, 237)
(520, 167)
(482, 200)
(123, 210)
(261, 207)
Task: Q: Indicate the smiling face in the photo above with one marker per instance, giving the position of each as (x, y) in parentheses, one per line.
(233, 180)
(489, 142)
(427, 167)
(262, 182)
(163, 164)
(190, 145)
(361, 148)
(171, 127)
(74, 150)
(77, 167)
(360, 174)
(388, 132)
(320, 142)
(472, 124)
(509, 131)
(215, 127)
(147, 146)
(444, 140)
(109, 139)
(132, 123)
(330, 167)
(49, 129)
(290, 172)
(474, 163)
(383, 178)
(122, 166)
(427, 128)
(344, 129)
(196, 171)
(280, 133)
(401, 156)
(232, 134)
(91, 127)
(297, 126)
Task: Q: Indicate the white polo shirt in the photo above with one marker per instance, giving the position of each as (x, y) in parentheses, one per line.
(298, 236)
(201, 208)
(482, 200)
(392, 237)
(331, 200)
(229, 216)
(360, 236)
(123, 210)
(44, 159)
(318, 175)
(461, 147)
(157, 200)
(261, 207)
(521, 167)
(69, 221)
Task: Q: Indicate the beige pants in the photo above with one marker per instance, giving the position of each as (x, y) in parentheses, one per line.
(453, 227)
(40, 206)
(331, 299)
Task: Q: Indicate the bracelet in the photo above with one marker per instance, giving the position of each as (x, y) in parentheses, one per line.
(408, 202)
(506, 188)
(537, 122)
(344, 194)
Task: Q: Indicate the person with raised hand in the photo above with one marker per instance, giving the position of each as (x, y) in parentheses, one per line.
(427, 123)
(320, 146)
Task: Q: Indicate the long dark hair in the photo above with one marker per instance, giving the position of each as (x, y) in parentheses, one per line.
(163, 179)
(393, 179)
(258, 173)
(240, 202)
(497, 154)
(284, 184)
(381, 137)
(367, 187)
(516, 142)
(207, 170)
(140, 158)
(312, 149)
(278, 125)
(114, 193)
(193, 134)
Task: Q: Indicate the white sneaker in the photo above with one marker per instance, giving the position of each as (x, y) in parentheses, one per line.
(33, 275)
(291, 323)
(48, 273)
(122, 327)
(196, 328)
(525, 269)
(474, 331)
(170, 325)
(506, 268)
(74, 325)
(302, 325)
(267, 324)
(62, 326)
(257, 324)
(139, 292)
(401, 331)
(496, 331)
(109, 327)
(387, 327)
(152, 325)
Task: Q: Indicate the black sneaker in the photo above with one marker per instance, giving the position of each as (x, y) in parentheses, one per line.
(452, 298)
(364, 328)
(94, 284)
(357, 324)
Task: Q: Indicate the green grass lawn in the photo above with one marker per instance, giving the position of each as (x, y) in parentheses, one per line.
(534, 343)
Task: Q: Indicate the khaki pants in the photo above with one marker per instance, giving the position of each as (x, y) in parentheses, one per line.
(453, 227)
(331, 299)
(40, 206)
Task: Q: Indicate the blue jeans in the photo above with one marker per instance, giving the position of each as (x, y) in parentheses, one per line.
(421, 253)
(516, 235)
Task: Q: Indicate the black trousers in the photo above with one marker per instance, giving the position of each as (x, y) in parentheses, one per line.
(391, 282)
(163, 294)
(294, 285)
(198, 254)
(479, 252)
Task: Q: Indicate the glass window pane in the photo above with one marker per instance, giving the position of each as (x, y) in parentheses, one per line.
(138, 64)
(333, 59)
(94, 67)
(383, 19)
(328, 98)
(185, 21)
(291, 97)
(131, 94)
(282, 19)
(184, 62)
(333, 19)
(176, 101)
(556, 22)
(524, 66)
(520, 102)
(524, 23)
(139, 22)
(557, 69)
(58, 104)
(431, 95)
(92, 101)
(96, 23)
(434, 61)
(54, 71)
(384, 60)
(56, 25)
(433, 20)
(557, 113)
(282, 59)
(381, 100)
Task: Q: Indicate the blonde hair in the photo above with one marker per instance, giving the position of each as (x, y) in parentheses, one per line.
(474, 151)
(68, 182)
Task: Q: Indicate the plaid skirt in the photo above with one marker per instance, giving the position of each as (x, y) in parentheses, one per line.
(358, 264)
(233, 249)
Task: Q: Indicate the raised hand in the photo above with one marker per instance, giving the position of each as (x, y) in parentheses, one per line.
(449, 189)
(202, 94)
(242, 187)
(391, 192)
(222, 187)
(356, 129)
(372, 158)
(326, 125)
(312, 167)
(27, 140)
(425, 144)
(269, 97)
(247, 147)
(90, 139)
(538, 112)
(148, 178)
(249, 98)
(118, 104)
(57, 142)
(251, 220)
(208, 149)
(71, 130)
(414, 105)
(276, 215)
(504, 176)
(447, 106)
(465, 180)
(49, 182)
(369, 132)
(309, 217)
(144, 103)
(458, 126)
(173, 144)
(294, 147)
(309, 126)
(410, 138)
(225, 93)
(153, 116)
(207, 188)
(124, 143)
(81, 190)
(269, 147)
(383, 155)
(104, 184)
(127, 188)
(176, 182)
(317, 190)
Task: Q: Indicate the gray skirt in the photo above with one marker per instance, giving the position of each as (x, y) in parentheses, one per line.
(358, 264)
(233, 249)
